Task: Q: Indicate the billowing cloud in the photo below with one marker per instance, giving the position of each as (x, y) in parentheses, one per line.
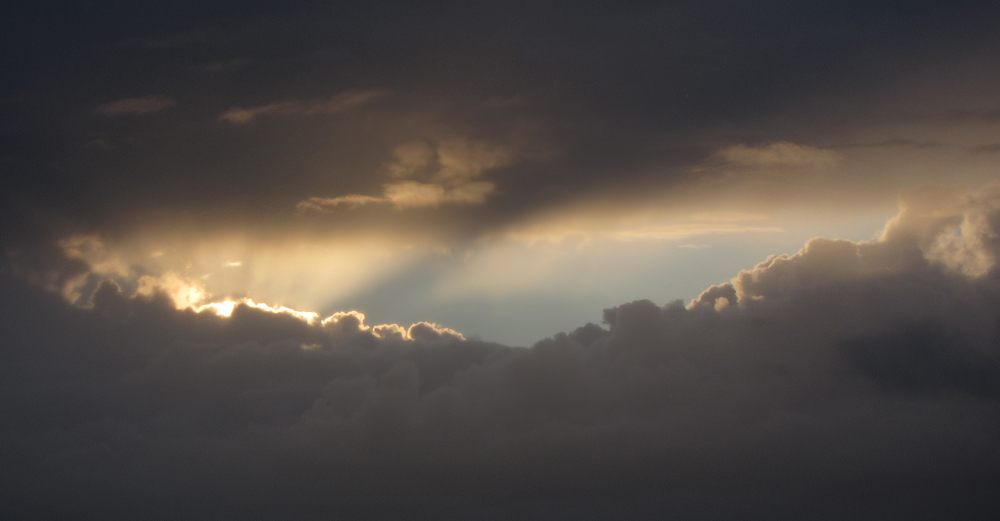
(334, 105)
(427, 177)
(790, 390)
(136, 106)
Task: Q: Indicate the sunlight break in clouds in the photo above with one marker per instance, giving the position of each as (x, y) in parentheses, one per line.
(449, 173)
(844, 359)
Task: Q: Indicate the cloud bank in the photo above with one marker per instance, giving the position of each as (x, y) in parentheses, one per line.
(849, 380)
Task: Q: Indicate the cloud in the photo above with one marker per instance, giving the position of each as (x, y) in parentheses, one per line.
(848, 377)
(451, 172)
(780, 154)
(183, 293)
(340, 103)
(353, 201)
(136, 106)
(409, 194)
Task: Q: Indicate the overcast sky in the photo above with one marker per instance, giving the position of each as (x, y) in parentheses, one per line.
(294, 259)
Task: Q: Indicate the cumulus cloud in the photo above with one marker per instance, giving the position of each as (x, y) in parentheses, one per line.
(334, 105)
(136, 106)
(426, 177)
(849, 380)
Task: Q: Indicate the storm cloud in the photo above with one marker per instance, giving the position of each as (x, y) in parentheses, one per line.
(264, 260)
(625, 100)
(851, 379)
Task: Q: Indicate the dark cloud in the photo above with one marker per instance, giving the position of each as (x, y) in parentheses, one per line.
(616, 98)
(849, 379)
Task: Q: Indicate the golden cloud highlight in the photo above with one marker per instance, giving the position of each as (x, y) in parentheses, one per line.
(190, 293)
(451, 172)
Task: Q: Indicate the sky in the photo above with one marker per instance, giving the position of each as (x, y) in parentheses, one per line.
(476, 260)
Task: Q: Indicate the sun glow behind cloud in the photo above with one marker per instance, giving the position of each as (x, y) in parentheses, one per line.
(225, 309)
(189, 294)
(584, 254)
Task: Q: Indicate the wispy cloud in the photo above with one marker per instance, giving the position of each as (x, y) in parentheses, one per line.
(334, 105)
(135, 106)
(780, 154)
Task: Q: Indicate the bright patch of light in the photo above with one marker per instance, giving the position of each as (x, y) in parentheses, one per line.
(223, 309)
(226, 307)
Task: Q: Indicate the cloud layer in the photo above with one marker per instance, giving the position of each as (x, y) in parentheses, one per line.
(849, 379)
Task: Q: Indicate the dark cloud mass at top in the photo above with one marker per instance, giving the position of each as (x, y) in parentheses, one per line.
(618, 97)
(154, 153)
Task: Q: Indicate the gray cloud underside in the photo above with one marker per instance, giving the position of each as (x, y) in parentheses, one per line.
(856, 380)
